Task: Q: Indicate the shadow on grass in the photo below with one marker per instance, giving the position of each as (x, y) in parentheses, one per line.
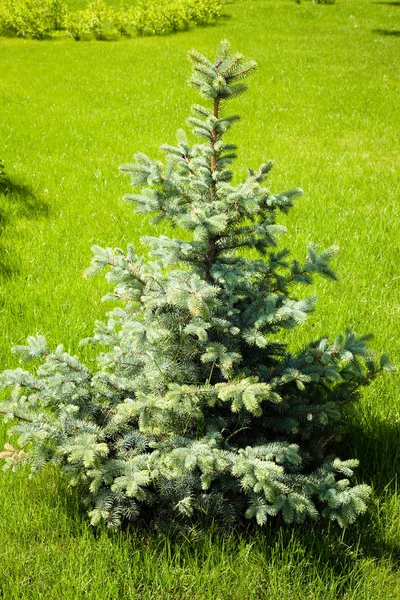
(324, 547)
(17, 201)
(377, 446)
(389, 32)
(21, 200)
(389, 3)
(337, 556)
(300, 553)
(7, 266)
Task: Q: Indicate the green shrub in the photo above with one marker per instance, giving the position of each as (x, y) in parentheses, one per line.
(121, 19)
(37, 18)
(203, 13)
(74, 25)
(97, 21)
(156, 17)
(146, 20)
(57, 12)
(159, 17)
(31, 18)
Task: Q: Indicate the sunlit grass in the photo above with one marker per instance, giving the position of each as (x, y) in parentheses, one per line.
(324, 107)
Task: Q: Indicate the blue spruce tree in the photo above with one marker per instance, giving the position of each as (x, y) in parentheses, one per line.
(196, 411)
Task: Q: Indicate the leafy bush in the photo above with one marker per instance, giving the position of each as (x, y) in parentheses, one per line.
(31, 18)
(93, 21)
(196, 408)
(57, 12)
(122, 20)
(37, 18)
(158, 17)
(155, 17)
(96, 19)
(204, 13)
(74, 26)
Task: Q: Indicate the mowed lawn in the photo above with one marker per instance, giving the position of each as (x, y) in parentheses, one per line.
(324, 106)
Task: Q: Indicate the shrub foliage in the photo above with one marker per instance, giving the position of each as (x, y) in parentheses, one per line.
(38, 18)
(31, 18)
(196, 408)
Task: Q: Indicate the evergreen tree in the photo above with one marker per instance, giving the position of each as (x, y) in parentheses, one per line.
(196, 409)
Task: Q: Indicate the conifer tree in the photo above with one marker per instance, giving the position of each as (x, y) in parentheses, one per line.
(196, 409)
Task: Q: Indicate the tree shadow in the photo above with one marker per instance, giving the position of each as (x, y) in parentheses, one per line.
(394, 3)
(17, 201)
(377, 445)
(390, 32)
(312, 547)
(7, 264)
(323, 545)
(21, 200)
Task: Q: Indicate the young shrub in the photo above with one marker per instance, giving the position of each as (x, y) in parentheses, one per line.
(57, 13)
(176, 16)
(31, 18)
(74, 25)
(121, 20)
(197, 410)
(160, 17)
(97, 21)
(149, 18)
(23, 18)
(5, 20)
(203, 13)
(37, 18)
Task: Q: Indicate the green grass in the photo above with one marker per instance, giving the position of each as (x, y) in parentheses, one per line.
(324, 107)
